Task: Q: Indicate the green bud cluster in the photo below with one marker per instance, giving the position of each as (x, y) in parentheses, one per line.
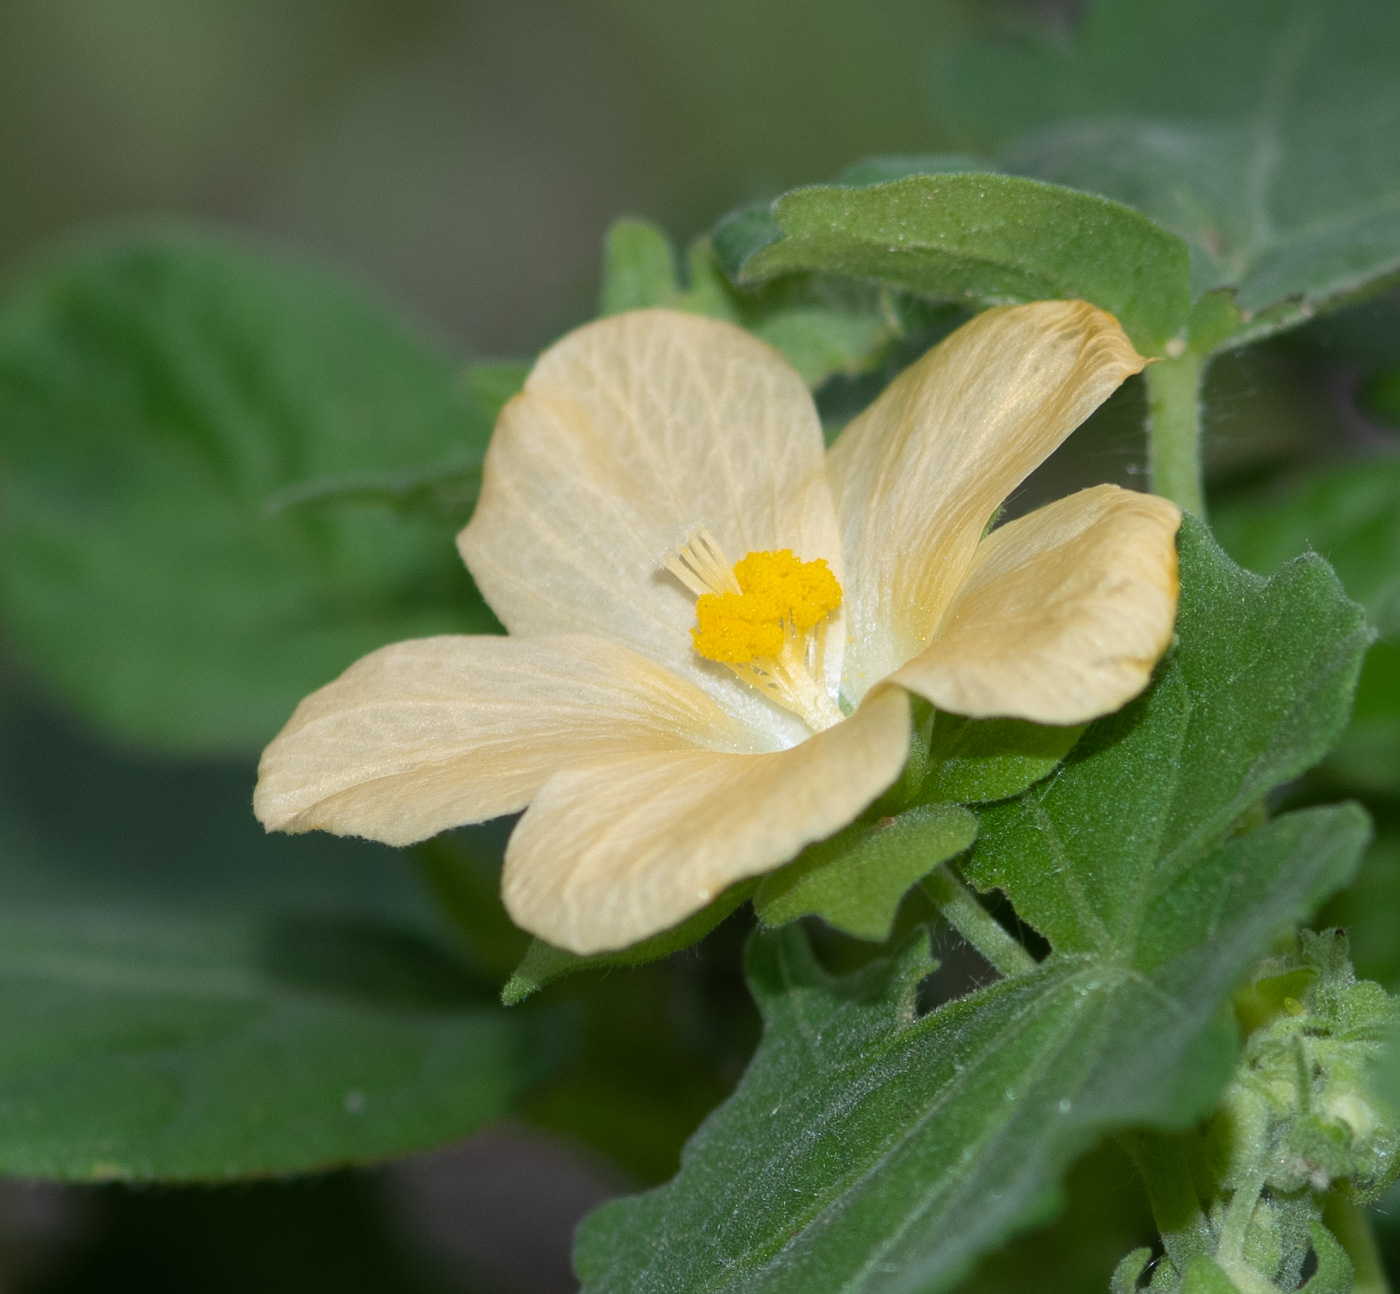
(1298, 1127)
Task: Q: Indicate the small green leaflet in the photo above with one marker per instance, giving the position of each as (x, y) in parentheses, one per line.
(212, 462)
(543, 963)
(822, 329)
(856, 879)
(183, 997)
(975, 238)
(1261, 131)
(869, 1148)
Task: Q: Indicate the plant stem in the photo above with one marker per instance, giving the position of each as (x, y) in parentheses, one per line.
(1164, 1162)
(1174, 430)
(1348, 1222)
(1238, 1215)
(962, 911)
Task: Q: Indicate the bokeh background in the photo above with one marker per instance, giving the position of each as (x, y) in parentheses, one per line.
(464, 158)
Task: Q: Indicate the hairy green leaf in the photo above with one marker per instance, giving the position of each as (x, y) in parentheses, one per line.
(856, 879)
(869, 1148)
(1351, 515)
(976, 238)
(185, 998)
(972, 761)
(872, 1148)
(1261, 131)
(203, 454)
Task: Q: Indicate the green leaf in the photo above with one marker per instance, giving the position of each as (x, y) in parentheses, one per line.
(869, 1148)
(856, 879)
(1129, 1271)
(1351, 515)
(975, 238)
(1334, 1272)
(185, 998)
(872, 1148)
(976, 760)
(1204, 1277)
(639, 268)
(543, 963)
(821, 329)
(1260, 131)
(1257, 690)
(170, 409)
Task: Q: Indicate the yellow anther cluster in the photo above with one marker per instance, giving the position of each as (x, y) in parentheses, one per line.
(781, 595)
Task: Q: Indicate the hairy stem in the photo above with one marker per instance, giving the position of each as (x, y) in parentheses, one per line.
(970, 919)
(1174, 430)
(1164, 1162)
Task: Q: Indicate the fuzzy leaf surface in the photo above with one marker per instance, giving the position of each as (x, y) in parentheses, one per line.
(975, 238)
(204, 452)
(856, 880)
(870, 1148)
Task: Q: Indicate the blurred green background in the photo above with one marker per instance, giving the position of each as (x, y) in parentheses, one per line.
(463, 158)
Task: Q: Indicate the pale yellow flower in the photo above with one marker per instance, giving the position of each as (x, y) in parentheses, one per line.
(647, 453)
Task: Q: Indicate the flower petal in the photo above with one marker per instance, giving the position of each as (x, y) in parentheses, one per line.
(607, 856)
(919, 474)
(1064, 615)
(630, 433)
(437, 732)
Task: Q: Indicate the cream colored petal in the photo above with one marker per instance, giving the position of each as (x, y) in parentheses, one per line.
(605, 857)
(919, 474)
(1064, 615)
(631, 432)
(438, 732)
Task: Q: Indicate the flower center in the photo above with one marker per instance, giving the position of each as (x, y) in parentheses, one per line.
(765, 617)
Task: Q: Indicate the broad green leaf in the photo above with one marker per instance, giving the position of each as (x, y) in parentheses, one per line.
(184, 429)
(543, 963)
(977, 238)
(871, 1148)
(1351, 515)
(185, 998)
(856, 879)
(1261, 131)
